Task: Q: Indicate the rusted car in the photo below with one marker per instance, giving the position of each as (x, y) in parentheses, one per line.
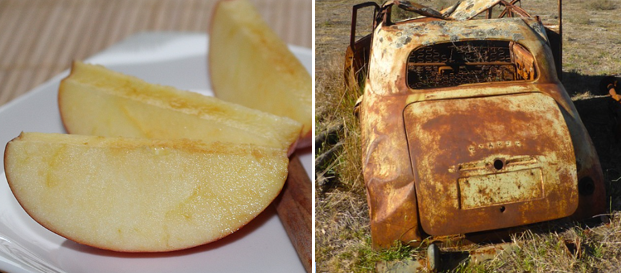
(467, 130)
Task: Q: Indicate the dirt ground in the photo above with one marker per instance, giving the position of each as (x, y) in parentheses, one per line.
(592, 50)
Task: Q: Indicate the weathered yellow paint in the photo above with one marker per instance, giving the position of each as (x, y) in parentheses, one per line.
(471, 157)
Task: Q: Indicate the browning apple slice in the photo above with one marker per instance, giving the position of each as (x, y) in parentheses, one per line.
(250, 65)
(96, 101)
(141, 195)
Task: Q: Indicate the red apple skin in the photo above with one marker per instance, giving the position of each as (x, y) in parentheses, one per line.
(305, 141)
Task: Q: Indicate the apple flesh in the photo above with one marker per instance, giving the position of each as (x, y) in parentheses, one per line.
(94, 100)
(141, 195)
(250, 65)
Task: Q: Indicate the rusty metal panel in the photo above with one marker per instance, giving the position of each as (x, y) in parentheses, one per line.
(392, 45)
(469, 9)
(490, 162)
(387, 172)
(454, 144)
(466, 10)
(525, 63)
(500, 188)
(418, 8)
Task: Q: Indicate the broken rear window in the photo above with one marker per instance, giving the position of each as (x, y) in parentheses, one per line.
(453, 64)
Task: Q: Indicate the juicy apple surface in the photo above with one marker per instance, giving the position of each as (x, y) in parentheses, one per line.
(141, 195)
(94, 100)
(250, 65)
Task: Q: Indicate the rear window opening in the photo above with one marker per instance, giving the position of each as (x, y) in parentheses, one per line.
(453, 64)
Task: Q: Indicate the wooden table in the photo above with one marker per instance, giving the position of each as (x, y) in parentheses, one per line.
(39, 39)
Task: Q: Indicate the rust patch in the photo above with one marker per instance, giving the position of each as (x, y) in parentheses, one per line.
(465, 126)
(500, 188)
(494, 143)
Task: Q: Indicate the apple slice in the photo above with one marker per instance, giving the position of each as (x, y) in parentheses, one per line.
(96, 101)
(141, 195)
(250, 65)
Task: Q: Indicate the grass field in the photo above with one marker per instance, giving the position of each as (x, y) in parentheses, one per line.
(592, 50)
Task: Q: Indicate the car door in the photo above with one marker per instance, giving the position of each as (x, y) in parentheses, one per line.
(359, 49)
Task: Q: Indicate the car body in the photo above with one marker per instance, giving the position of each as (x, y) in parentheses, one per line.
(466, 129)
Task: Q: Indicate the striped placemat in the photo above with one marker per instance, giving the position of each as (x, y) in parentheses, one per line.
(39, 39)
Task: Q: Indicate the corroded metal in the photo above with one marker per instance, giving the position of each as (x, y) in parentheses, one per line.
(418, 8)
(466, 10)
(466, 127)
(485, 162)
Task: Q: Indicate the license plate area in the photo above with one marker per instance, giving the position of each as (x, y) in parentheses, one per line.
(500, 188)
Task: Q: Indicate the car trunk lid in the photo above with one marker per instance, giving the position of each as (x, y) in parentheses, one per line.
(491, 162)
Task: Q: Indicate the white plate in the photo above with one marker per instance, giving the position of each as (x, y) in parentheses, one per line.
(175, 59)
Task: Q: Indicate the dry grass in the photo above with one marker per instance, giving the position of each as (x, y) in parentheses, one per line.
(591, 40)
(343, 229)
(602, 5)
(591, 50)
(575, 249)
(341, 206)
